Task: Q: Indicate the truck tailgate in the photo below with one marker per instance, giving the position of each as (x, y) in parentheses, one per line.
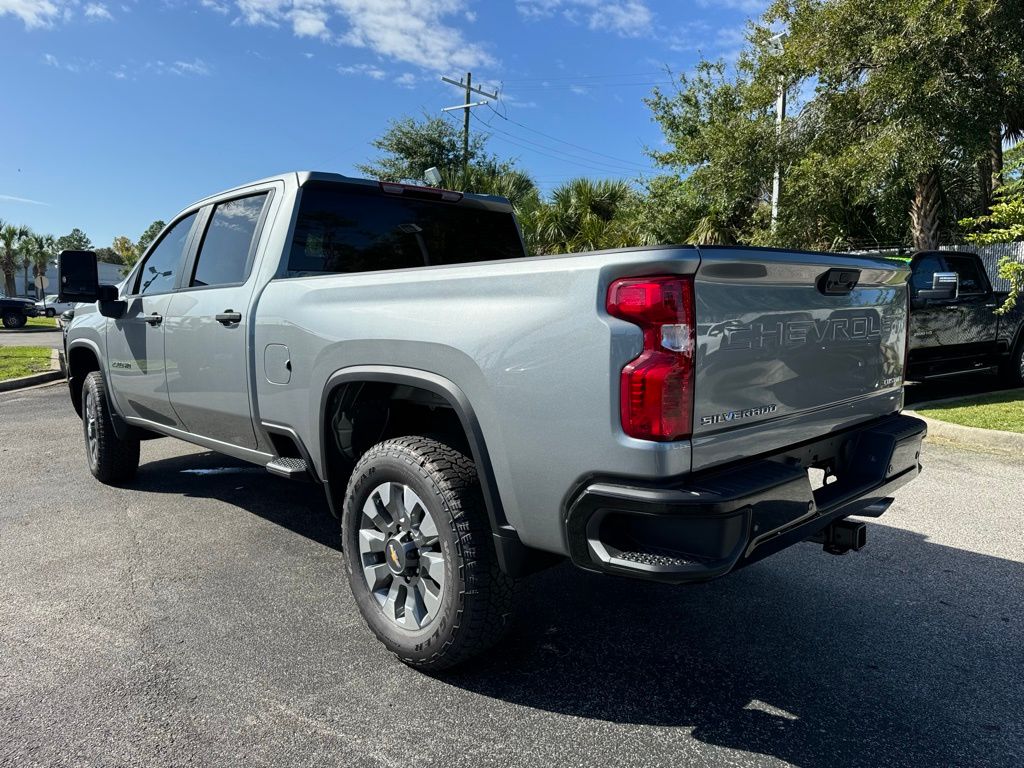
(787, 352)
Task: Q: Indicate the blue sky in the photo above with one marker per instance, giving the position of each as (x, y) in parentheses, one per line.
(118, 113)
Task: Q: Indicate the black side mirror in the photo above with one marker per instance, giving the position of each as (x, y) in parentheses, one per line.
(945, 287)
(110, 303)
(78, 277)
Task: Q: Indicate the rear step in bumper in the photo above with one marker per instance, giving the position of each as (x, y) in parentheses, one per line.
(707, 525)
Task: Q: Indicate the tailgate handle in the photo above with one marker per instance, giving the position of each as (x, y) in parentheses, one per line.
(837, 282)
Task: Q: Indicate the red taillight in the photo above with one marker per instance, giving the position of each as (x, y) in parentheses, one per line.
(656, 388)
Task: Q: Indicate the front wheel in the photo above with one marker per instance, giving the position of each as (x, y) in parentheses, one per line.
(111, 459)
(14, 320)
(419, 555)
(51, 312)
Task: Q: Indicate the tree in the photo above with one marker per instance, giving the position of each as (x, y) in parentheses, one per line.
(411, 146)
(75, 240)
(585, 215)
(10, 240)
(721, 147)
(907, 94)
(893, 108)
(1005, 224)
(108, 256)
(37, 250)
(148, 237)
(126, 250)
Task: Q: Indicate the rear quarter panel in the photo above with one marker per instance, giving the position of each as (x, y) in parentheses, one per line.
(527, 341)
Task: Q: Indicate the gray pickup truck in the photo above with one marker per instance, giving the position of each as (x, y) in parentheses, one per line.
(473, 414)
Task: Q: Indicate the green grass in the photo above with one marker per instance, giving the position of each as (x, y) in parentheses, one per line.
(23, 361)
(1003, 410)
(41, 322)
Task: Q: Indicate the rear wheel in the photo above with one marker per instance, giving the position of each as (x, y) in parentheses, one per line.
(51, 312)
(419, 556)
(111, 459)
(14, 320)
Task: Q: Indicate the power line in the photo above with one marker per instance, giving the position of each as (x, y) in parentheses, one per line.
(582, 162)
(618, 165)
(588, 86)
(567, 143)
(610, 76)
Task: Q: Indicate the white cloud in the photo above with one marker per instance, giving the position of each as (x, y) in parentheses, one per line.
(747, 6)
(97, 11)
(310, 23)
(375, 73)
(196, 67)
(25, 200)
(35, 13)
(53, 61)
(411, 31)
(628, 18)
(406, 80)
(217, 6)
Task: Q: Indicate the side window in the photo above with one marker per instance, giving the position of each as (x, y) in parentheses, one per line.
(160, 269)
(924, 269)
(224, 255)
(971, 280)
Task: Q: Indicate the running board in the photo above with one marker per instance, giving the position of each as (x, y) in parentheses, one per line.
(292, 469)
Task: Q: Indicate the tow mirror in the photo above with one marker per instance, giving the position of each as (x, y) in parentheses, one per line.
(79, 278)
(945, 287)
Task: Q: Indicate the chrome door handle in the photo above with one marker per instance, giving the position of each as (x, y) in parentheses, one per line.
(154, 319)
(229, 317)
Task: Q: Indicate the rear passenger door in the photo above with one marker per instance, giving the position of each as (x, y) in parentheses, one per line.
(207, 326)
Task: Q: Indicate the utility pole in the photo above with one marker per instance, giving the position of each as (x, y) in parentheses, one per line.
(776, 42)
(467, 85)
(780, 118)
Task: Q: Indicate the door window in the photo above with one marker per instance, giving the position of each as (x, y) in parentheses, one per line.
(924, 269)
(966, 268)
(161, 266)
(225, 254)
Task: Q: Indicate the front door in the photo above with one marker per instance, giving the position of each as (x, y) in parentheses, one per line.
(208, 324)
(135, 341)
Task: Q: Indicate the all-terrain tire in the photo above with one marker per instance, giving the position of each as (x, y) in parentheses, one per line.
(112, 460)
(14, 320)
(477, 600)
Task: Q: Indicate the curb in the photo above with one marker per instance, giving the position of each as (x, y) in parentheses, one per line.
(57, 368)
(994, 439)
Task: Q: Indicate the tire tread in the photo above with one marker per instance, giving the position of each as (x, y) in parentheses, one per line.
(486, 603)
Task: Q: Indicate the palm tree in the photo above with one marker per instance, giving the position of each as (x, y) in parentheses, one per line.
(39, 249)
(10, 238)
(510, 183)
(587, 214)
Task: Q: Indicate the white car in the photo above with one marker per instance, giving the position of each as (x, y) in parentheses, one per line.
(50, 307)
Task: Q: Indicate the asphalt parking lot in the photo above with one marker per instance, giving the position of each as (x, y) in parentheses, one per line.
(200, 617)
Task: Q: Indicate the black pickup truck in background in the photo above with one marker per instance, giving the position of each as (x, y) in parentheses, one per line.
(954, 327)
(14, 312)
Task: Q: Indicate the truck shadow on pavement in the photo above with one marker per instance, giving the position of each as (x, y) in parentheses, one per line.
(908, 653)
(298, 506)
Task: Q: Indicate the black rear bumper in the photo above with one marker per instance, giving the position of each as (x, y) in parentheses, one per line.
(709, 524)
